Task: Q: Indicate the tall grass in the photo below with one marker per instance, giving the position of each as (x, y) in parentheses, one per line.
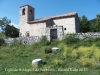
(71, 53)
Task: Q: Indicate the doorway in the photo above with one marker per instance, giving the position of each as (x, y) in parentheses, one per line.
(53, 34)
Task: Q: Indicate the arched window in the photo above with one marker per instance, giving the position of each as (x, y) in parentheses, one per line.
(23, 11)
(30, 11)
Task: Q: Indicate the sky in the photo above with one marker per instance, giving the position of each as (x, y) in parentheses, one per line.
(47, 8)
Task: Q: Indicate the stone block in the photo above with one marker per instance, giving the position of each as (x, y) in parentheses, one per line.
(37, 62)
(55, 49)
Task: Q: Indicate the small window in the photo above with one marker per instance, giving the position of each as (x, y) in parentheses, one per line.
(64, 28)
(30, 11)
(23, 11)
(27, 34)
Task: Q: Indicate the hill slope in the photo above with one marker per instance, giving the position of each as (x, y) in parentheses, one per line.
(73, 58)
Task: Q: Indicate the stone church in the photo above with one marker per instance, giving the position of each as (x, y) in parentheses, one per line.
(51, 27)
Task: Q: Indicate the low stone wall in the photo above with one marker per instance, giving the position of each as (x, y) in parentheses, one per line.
(88, 35)
(33, 39)
(24, 40)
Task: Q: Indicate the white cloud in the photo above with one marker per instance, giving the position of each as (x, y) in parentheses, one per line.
(15, 25)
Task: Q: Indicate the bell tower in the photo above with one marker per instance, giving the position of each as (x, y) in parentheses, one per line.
(26, 15)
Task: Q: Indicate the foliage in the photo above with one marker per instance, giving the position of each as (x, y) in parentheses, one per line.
(11, 31)
(84, 24)
(93, 27)
(4, 22)
(15, 43)
(48, 49)
(62, 45)
(16, 54)
(2, 41)
(98, 22)
(44, 41)
(57, 61)
(89, 26)
(70, 39)
(2, 35)
(55, 42)
(74, 54)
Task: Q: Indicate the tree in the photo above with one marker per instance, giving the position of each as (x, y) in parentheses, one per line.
(11, 31)
(98, 22)
(93, 27)
(7, 29)
(84, 24)
(4, 22)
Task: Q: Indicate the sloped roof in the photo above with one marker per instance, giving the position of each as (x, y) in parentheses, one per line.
(53, 17)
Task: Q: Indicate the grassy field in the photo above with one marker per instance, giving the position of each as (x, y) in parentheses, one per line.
(74, 57)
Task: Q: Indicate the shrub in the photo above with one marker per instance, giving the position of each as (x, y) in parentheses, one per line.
(2, 41)
(57, 62)
(55, 42)
(65, 51)
(44, 41)
(89, 56)
(87, 62)
(70, 39)
(86, 51)
(97, 44)
(74, 54)
(87, 42)
(15, 43)
(97, 54)
(62, 45)
(48, 49)
(84, 61)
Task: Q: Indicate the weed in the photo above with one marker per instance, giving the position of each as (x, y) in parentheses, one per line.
(57, 62)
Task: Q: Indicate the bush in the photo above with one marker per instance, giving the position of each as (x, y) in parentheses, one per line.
(15, 43)
(47, 49)
(11, 31)
(74, 54)
(44, 41)
(57, 62)
(55, 42)
(62, 46)
(2, 41)
(70, 39)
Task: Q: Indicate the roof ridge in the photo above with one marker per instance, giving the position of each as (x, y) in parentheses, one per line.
(54, 17)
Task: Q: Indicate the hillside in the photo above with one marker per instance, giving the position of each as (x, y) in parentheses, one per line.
(74, 57)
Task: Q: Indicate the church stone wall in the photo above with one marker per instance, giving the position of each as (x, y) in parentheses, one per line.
(68, 23)
(37, 29)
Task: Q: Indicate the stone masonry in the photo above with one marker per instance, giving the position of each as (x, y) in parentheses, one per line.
(31, 40)
(51, 27)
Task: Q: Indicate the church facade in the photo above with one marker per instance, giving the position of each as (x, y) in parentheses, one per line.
(51, 27)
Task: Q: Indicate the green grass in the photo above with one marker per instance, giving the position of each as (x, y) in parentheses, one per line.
(82, 56)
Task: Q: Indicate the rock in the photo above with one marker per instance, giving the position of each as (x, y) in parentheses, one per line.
(55, 49)
(36, 62)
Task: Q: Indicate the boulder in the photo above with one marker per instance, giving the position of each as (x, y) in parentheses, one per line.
(55, 49)
(36, 62)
